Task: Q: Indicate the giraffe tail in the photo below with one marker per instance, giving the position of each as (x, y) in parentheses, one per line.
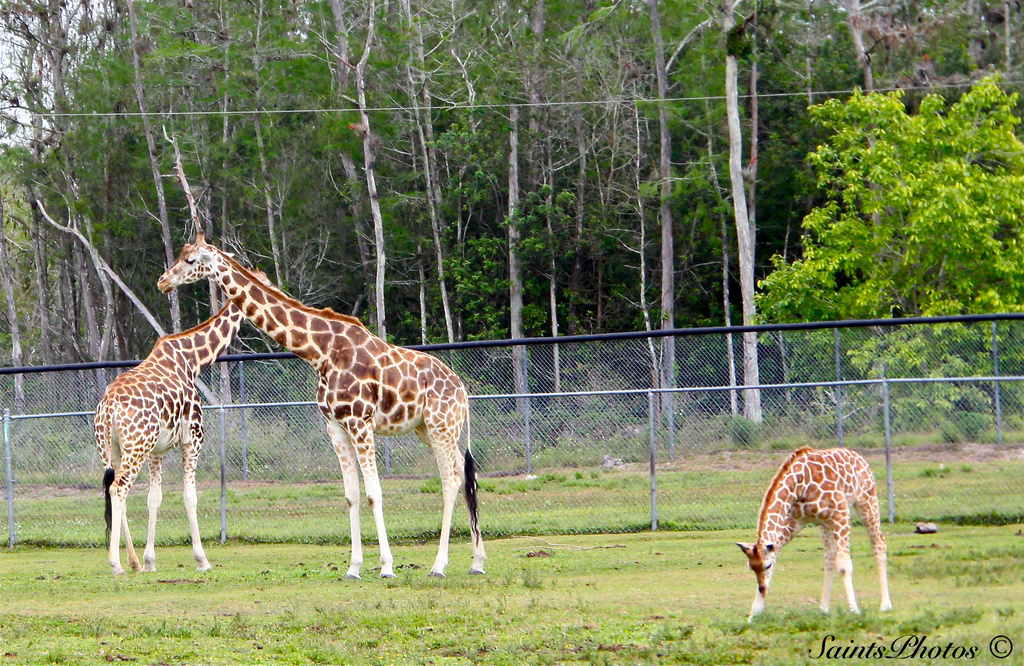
(470, 490)
(469, 487)
(108, 480)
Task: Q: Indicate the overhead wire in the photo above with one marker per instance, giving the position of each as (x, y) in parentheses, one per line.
(501, 105)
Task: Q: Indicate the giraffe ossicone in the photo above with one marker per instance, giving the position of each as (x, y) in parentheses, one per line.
(147, 411)
(818, 487)
(366, 387)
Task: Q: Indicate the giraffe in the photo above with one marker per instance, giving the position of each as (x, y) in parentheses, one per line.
(366, 387)
(147, 411)
(817, 487)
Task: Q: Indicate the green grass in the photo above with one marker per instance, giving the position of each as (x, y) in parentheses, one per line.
(664, 597)
(561, 501)
(701, 496)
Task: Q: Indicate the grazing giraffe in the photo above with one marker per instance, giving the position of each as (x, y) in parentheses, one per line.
(147, 411)
(818, 487)
(366, 386)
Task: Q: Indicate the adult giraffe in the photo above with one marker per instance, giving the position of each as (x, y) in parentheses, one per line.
(147, 411)
(366, 387)
(818, 487)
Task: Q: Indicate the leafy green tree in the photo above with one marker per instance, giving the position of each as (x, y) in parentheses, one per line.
(923, 213)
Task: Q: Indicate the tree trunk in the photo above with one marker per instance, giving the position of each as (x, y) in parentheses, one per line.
(43, 307)
(575, 276)
(1007, 36)
(641, 213)
(342, 67)
(855, 22)
(369, 160)
(730, 353)
(154, 163)
(423, 292)
(425, 133)
(667, 236)
(745, 232)
(268, 200)
(556, 363)
(515, 277)
(13, 323)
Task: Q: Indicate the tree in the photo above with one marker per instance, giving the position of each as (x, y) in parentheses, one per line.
(745, 231)
(924, 216)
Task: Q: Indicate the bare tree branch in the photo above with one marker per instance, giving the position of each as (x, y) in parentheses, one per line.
(103, 268)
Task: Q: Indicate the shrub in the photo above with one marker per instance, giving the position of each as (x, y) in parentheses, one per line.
(974, 424)
(743, 431)
(951, 432)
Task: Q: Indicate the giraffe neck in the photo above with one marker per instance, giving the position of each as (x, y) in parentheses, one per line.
(775, 525)
(199, 347)
(309, 333)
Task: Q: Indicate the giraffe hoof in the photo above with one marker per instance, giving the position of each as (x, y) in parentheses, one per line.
(436, 574)
(476, 572)
(352, 577)
(388, 575)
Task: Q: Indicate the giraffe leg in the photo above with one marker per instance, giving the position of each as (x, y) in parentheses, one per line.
(350, 477)
(118, 495)
(829, 541)
(153, 502)
(362, 440)
(870, 516)
(840, 527)
(445, 450)
(133, 559)
(189, 461)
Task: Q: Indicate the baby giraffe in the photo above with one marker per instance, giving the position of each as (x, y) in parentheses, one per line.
(818, 487)
(147, 411)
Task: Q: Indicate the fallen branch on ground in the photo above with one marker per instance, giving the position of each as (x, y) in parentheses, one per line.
(567, 546)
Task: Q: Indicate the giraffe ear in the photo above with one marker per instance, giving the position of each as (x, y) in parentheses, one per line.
(747, 548)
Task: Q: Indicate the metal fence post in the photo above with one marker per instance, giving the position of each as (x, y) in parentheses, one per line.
(654, 478)
(671, 426)
(223, 479)
(890, 493)
(527, 414)
(245, 432)
(995, 369)
(10, 478)
(839, 387)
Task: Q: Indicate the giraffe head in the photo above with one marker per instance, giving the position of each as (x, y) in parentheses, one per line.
(761, 560)
(196, 261)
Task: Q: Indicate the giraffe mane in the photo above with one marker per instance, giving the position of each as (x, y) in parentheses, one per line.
(254, 275)
(776, 481)
(197, 328)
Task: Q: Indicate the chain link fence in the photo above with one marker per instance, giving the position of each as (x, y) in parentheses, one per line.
(594, 441)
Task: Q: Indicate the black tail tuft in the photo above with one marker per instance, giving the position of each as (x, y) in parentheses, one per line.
(470, 488)
(108, 480)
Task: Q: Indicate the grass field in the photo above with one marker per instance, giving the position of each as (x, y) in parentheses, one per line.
(965, 485)
(664, 597)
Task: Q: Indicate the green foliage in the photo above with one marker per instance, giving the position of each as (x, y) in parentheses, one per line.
(743, 432)
(923, 215)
